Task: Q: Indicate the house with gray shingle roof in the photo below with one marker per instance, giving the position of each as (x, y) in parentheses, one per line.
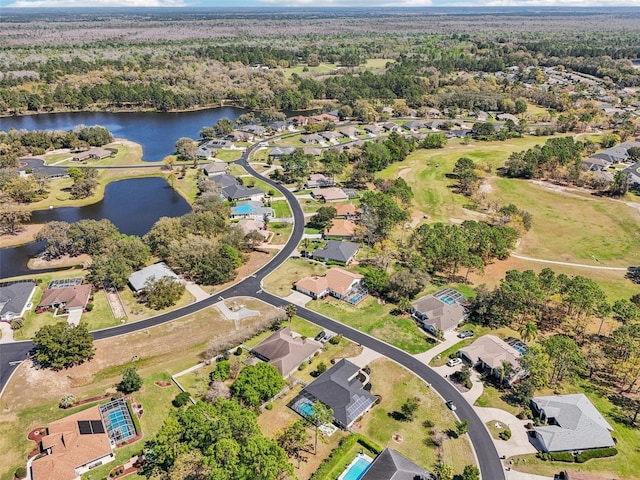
(634, 173)
(215, 168)
(286, 350)
(336, 251)
(137, 280)
(279, 152)
(14, 298)
(438, 312)
(342, 388)
(240, 192)
(391, 465)
(573, 424)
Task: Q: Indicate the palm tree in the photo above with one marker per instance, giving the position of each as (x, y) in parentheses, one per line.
(321, 415)
(290, 311)
(528, 331)
(505, 371)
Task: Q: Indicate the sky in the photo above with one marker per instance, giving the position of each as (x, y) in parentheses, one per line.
(317, 3)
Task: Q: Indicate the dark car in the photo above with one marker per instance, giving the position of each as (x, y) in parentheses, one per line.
(451, 406)
(466, 334)
(320, 336)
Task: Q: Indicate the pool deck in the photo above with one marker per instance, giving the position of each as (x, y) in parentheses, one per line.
(360, 456)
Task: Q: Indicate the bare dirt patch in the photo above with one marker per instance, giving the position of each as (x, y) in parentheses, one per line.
(26, 234)
(41, 263)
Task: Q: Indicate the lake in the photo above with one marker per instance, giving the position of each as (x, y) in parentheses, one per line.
(157, 132)
(132, 205)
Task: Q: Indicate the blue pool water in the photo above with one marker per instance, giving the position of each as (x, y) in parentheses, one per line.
(117, 420)
(520, 349)
(357, 470)
(447, 300)
(306, 409)
(242, 209)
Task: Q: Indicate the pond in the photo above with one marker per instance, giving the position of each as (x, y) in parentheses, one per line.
(132, 205)
(157, 132)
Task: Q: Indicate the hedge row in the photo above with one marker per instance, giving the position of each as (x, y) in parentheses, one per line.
(337, 455)
(582, 456)
(596, 453)
(134, 417)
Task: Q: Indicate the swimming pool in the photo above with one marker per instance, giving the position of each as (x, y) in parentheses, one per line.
(448, 300)
(520, 349)
(243, 208)
(306, 408)
(356, 469)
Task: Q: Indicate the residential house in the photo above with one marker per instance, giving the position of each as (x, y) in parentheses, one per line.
(215, 168)
(239, 192)
(299, 121)
(255, 130)
(316, 152)
(391, 127)
(208, 149)
(329, 194)
(278, 126)
(330, 136)
(319, 180)
(340, 228)
(412, 125)
(336, 251)
(72, 446)
(248, 225)
(350, 132)
(225, 180)
(489, 352)
(325, 117)
(286, 350)
(433, 112)
(94, 153)
(616, 154)
(240, 136)
(462, 132)
(337, 282)
(251, 209)
(373, 129)
(593, 164)
(313, 138)
(137, 280)
(391, 465)
(278, 152)
(443, 311)
(350, 192)
(507, 116)
(66, 299)
(348, 211)
(15, 298)
(572, 424)
(343, 389)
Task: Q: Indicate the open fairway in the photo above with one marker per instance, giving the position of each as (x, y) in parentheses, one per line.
(395, 385)
(571, 226)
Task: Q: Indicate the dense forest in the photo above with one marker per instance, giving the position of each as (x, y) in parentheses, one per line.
(266, 67)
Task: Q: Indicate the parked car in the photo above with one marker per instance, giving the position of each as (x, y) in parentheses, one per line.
(451, 406)
(454, 362)
(319, 337)
(466, 334)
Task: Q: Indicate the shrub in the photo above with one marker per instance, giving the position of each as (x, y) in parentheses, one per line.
(505, 434)
(20, 472)
(335, 340)
(181, 399)
(596, 453)
(369, 445)
(16, 323)
(561, 456)
(67, 400)
(238, 351)
(89, 307)
(269, 406)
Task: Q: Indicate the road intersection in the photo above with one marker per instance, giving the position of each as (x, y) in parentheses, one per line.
(487, 456)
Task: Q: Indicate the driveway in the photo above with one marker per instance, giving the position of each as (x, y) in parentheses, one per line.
(450, 339)
(7, 332)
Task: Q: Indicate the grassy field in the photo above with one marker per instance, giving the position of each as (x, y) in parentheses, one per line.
(228, 155)
(375, 319)
(395, 385)
(587, 224)
(281, 208)
(624, 466)
(495, 431)
(282, 232)
(162, 350)
(492, 397)
(279, 282)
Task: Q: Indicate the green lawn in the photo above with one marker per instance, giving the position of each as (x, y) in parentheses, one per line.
(300, 69)
(279, 282)
(587, 224)
(495, 431)
(281, 208)
(493, 397)
(228, 155)
(395, 385)
(375, 319)
(282, 232)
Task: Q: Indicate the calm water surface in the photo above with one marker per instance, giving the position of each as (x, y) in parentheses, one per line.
(157, 132)
(132, 205)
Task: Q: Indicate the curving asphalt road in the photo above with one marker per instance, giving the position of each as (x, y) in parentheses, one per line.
(489, 462)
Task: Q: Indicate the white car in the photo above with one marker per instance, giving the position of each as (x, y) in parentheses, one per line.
(454, 362)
